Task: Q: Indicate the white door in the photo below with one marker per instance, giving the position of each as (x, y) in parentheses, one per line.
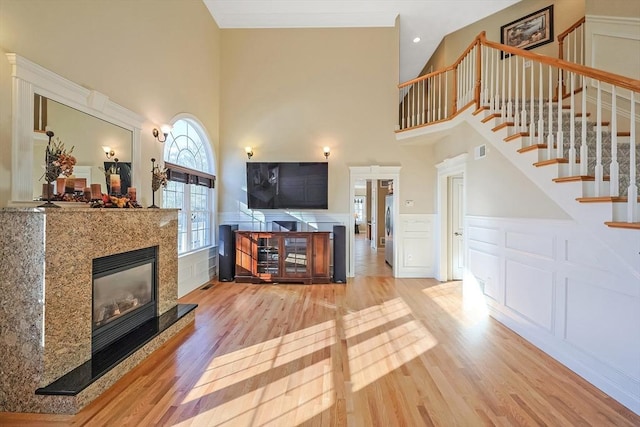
(456, 216)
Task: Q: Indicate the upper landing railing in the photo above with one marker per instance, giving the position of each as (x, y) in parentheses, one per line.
(520, 88)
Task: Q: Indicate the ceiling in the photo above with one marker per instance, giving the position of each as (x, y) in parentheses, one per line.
(430, 20)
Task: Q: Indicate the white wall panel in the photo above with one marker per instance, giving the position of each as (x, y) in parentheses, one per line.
(605, 324)
(484, 235)
(566, 292)
(529, 291)
(535, 244)
(486, 268)
(415, 241)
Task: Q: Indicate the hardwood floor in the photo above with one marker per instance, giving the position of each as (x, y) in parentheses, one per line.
(375, 352)
(369, 262)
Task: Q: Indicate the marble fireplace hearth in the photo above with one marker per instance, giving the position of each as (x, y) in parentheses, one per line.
(46, 260)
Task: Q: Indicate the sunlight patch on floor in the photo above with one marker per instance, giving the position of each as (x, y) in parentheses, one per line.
(469, 310)
(286, 401)
(229, 369)
(389, 348)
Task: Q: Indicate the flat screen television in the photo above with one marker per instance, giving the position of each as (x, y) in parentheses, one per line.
(287, 185)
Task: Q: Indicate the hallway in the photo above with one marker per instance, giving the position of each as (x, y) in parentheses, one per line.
(370, 262)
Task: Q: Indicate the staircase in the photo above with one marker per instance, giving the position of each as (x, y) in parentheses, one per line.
(563, 124)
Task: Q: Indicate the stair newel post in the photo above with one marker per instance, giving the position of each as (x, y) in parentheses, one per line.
(598, 170)
(550, 108)
(540, 138)
(560, 134)
(614, 167)
(584, 148)
(572, 125)
(632, 192)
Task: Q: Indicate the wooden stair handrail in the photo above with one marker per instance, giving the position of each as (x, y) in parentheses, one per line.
(566, 32)
(604, 76)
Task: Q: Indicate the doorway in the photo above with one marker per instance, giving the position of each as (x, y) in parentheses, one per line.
(368, 256)
(451, 211)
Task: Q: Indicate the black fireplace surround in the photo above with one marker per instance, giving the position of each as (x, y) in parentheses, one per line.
(124, 294)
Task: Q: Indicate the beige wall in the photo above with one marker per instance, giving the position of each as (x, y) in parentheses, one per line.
(565, 13)
(623, 8)
(156, 58)
(289, 92)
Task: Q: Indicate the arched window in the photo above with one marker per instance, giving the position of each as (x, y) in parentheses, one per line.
(188, 158)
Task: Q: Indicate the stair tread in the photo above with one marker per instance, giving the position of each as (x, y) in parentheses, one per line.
(603, 199)
(628, 225)
(550, 162)
(579, 178)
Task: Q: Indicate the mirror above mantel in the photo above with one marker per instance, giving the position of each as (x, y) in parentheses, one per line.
(83, 118)
(85, 133)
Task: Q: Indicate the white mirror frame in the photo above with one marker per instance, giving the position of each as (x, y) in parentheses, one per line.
(29, 78)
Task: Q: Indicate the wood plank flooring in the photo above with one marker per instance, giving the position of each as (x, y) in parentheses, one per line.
(378, 351)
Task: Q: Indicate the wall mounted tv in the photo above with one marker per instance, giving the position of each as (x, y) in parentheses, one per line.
(287, 185)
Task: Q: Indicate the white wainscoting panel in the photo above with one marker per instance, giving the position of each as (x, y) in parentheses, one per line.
(415, 245)
(566, 293)
(529, 292)
(195, 269)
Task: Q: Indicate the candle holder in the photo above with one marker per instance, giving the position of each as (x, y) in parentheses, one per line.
(158, 179)
(47, 175)
(154, 187)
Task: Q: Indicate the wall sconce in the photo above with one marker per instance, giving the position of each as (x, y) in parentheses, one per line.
(326, 151)
(108, 151)
(249, 152)
(165, 131)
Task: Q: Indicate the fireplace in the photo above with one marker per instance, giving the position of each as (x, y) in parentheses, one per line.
(124, 294)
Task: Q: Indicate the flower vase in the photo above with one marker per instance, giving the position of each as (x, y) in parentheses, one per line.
(48, 161)
(153, 201)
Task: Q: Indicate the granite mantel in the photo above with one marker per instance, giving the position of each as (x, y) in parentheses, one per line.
(46, 259)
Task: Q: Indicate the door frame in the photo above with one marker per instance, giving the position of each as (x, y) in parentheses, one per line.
(372, 172)
(449, 167)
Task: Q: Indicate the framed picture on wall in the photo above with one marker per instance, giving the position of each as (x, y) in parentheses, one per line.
(529, 32)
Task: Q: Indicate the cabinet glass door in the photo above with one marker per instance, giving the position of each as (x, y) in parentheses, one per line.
(295, 256)
(268, 256)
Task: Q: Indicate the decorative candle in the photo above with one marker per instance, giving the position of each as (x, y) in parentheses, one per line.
(87, 193)
(60, 183)
(132, 193)
(47, 191)
(114, 181)
(70, 184)
(96, 191)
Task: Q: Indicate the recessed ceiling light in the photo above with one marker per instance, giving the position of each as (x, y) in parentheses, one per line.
(416, 40)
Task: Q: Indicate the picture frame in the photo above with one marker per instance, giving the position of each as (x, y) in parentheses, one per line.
(530, 31)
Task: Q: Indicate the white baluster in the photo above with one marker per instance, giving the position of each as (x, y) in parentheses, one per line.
(510, 96)
(614, 180)
(560, 135)
(446, 93)
(584, 148)
(532, 126)
(550, 108)
(599, 170)
(502, 95)
(572, 126)
(632, 192)
(540, 138)
(516, 106)
(523, 113)
(439, 96)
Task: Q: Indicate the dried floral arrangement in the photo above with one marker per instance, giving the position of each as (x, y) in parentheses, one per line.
(59, 160)
(108, 201)
(158, 177)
